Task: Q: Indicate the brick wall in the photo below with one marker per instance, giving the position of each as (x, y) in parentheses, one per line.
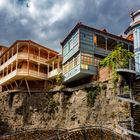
(104, 74)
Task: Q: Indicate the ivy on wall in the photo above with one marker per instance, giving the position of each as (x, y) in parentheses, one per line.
(119, 58)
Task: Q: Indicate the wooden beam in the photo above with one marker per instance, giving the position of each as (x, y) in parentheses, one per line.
(11, 86)
(6, 87)
(27, 87)
(36, 82)
(20, 83)
(16, 84)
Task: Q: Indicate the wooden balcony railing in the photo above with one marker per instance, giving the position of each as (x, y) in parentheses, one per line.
(8, 62)
(54, 73)
(23, 72)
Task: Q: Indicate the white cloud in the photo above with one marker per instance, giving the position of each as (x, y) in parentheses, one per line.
(58, 12)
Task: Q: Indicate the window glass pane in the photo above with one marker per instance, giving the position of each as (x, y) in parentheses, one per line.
(86, 59)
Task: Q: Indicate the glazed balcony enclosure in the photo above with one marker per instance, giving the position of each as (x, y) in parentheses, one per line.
(84, 47)
(27, 59)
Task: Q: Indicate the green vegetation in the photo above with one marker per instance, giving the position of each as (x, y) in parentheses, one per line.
(91, 95)
(119, 58)
(59, 79)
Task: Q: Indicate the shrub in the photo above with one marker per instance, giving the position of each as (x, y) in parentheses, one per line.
(91, 95)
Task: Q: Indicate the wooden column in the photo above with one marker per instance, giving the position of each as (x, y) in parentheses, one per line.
(7, 70)
(58, 64)
(11, 67)
(48, 55)
(53, 65)
(38, 68)
(28, 50)
(16, 64)
(39, 54)
(17, 48)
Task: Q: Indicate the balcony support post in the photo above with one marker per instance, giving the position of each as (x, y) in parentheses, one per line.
(16, 84)
(7, 88)
(20, 83)
(11, 86)
(27, 87)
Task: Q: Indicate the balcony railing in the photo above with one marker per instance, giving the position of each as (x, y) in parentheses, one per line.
(127, 97)
(130, 127)
(23, 72)
(8, 62)
(54, 73)
(8, 77)
(23, 55)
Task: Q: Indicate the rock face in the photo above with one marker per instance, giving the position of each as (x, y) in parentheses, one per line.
(62, 110)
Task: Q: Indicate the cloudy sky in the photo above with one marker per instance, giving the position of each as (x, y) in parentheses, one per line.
(49, 21)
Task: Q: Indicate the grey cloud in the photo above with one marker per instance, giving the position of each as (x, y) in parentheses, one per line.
(21, 23)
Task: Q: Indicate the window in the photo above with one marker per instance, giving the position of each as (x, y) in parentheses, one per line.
(84, 66)
(71, 44)
(96, 61)
(87, 59)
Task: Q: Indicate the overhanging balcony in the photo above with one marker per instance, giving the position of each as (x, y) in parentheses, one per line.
(132, 128)
(23, 73)
(54, 72)
(126, 97)
(101, 51)
(23, 56)
(127, 71)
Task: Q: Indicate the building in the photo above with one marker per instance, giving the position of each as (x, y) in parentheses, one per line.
(132, 77)
(2, 49)
(84, 47)
(26, 64)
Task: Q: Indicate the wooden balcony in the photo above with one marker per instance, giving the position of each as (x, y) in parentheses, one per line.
(23, 73)
(8, 62)
(23, 56)
(101, 51)
(53, 73)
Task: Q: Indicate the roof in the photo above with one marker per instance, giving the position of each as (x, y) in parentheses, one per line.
(80, 25)
(30, 41)
(136, 12)
(1, 46)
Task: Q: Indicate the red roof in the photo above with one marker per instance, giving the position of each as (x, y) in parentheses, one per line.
(80, 25)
